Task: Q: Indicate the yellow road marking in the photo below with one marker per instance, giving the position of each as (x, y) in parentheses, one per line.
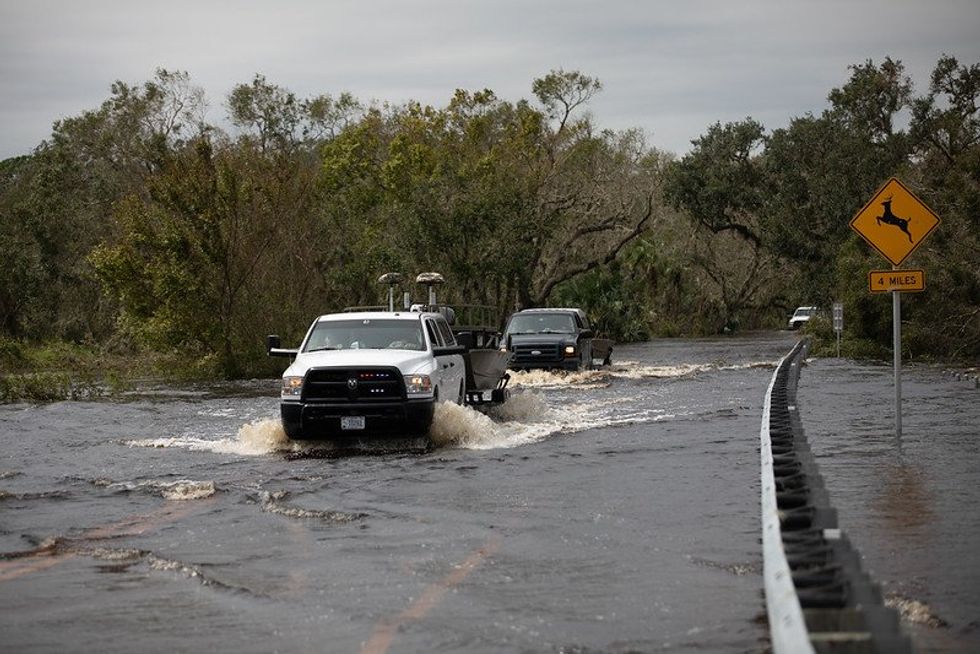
(46, 557)
(384, 632)
(36, 562)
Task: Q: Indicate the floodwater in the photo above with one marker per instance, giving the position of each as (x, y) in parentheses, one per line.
(908, 505)
(607, 511)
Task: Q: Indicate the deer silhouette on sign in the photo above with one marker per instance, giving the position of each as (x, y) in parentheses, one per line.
(891, 219)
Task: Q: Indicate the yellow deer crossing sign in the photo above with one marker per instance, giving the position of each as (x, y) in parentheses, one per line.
(894, 221)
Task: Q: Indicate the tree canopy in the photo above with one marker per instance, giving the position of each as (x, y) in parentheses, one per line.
(140, 225)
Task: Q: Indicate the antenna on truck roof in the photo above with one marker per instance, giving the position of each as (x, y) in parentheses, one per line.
(392, 279)
(430, 280)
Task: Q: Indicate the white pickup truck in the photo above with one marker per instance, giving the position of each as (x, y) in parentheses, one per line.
(373, 372)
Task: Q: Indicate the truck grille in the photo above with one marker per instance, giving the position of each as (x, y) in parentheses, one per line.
(540, 353)
(353, 384)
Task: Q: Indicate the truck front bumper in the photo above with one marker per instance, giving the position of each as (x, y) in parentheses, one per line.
(322, 420)
(552, 364)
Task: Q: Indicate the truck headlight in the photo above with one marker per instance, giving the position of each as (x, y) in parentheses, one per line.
(418, 384)
(569, 350)
(291, 387)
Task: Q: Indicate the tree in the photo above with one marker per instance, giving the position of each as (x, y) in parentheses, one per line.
(61, 198)
(561, 93)
(271, 112)
(872, 98)
(281, 122)
(22, 274)
(602, 196)
(489, 192)
(946, 132)
(720, 182)
(186, 257)
(820, 170)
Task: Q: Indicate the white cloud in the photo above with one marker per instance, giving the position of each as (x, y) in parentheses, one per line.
(669, 68)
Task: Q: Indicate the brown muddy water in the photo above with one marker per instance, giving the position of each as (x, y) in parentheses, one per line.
(614, 510)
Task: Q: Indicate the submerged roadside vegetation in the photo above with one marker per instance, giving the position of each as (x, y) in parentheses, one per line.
(59, 370)
(141, 240)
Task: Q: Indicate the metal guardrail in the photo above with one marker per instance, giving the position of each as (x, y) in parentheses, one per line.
(817, 598)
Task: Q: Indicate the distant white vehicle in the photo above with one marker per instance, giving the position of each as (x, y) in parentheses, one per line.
(801, 316)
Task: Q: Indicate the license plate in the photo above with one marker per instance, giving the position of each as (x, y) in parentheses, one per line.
(352, 422)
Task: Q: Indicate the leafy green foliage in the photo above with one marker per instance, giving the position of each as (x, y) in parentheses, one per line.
(142, 228)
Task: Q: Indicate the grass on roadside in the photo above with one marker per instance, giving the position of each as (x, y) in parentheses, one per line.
(53, 371)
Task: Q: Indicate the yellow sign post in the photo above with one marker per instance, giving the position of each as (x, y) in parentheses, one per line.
(895, 223)
(907, 281)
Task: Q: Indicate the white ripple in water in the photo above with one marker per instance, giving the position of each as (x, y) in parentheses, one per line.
(526, 418)
(182, 489)
(254, 438)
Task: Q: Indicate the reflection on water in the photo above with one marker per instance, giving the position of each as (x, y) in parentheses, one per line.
(905, 500)
(909, 506)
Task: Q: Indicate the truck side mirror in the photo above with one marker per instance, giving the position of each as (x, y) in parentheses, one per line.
(586, 333)
(272, 342)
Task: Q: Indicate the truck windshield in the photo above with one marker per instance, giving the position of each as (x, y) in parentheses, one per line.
(541, 323)
(366, 334)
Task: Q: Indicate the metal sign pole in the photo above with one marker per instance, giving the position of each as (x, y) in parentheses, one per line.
(897, 357)
(838, 323)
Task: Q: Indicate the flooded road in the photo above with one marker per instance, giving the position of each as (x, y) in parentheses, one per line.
(909, 505)
(607, 511)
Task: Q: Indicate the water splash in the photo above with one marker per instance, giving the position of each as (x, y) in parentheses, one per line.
(187, 489)
(520, 406)
(526, 418)
(263, 437)
(272, 502)
(633, 370)
(256, 438)
(583, 379)
(460, 426)
(914, 611)
(181, 489)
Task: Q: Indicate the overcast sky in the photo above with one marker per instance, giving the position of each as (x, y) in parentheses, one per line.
(669, 68)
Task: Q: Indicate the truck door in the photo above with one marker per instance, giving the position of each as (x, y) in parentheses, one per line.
(584, 344)
(451, 366)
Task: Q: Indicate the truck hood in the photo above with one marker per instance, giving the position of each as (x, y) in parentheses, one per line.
(408, 361)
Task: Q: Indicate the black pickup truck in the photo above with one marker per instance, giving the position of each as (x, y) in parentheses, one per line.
(553, 338)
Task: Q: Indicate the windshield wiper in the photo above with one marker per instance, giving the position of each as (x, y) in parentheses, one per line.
(322, 349)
